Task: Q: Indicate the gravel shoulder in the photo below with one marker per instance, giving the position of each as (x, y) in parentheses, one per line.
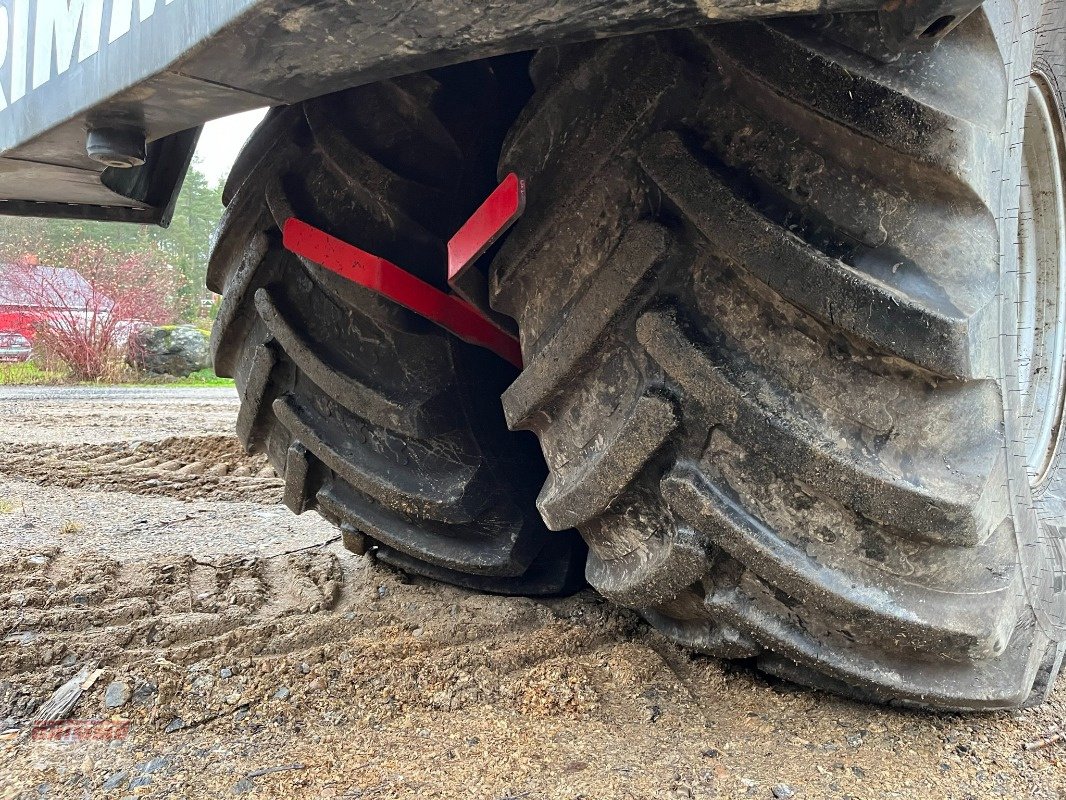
(242, 653)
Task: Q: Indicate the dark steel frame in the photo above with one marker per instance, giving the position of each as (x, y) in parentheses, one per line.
(191, 61)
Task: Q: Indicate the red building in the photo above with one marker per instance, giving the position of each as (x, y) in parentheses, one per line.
(31, 294)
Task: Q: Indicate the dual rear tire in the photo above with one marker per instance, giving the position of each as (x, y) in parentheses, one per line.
(793, 354)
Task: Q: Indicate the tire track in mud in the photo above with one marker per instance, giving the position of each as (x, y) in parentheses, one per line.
(187, 468)
(61, 610)
(168, 624)
(312, 620)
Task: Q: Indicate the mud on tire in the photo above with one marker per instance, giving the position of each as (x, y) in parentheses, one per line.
(765, 286)
(384, 423)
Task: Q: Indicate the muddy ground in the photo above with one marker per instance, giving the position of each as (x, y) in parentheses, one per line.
(238, 651)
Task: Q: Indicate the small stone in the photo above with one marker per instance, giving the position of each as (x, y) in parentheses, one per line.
(219, 470)
(226, 672)
(382, 591)
(117, 694)
(243, 786)
(266, 472)
(241, 714)
(304, 668)
(196, 468)
(144, 692)
(318, 684)
(117, 779)
(234, 698)
(782, 791)
(282, 693)
(175, 725)
(154, 765)
(242, 472)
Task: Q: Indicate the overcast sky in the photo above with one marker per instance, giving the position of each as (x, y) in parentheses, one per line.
(221, 140)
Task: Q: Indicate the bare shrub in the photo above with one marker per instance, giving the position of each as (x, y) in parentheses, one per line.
(86, 310)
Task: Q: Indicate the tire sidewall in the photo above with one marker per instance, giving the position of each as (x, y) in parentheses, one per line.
(1038, 513)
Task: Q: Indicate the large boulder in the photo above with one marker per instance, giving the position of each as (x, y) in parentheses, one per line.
(170, 350)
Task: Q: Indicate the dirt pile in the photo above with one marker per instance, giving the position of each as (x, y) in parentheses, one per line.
(242, 653)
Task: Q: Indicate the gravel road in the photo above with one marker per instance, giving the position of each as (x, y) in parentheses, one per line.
(236, 650)
(91, 415)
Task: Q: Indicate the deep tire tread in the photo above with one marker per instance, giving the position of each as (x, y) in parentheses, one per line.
(358, 402)
(755, 423)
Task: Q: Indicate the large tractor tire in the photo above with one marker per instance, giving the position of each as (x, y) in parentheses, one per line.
(386, 424)
(794, 355)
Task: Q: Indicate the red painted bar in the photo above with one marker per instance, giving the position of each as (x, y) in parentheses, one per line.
(385, 278)
(486, 225)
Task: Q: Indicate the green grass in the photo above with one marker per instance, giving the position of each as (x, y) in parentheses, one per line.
(27, 373)
(205, 377)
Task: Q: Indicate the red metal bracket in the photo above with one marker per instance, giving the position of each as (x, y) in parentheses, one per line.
(485, 226)
(377, 274)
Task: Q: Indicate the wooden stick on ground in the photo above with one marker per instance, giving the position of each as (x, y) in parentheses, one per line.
(1056, 734)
